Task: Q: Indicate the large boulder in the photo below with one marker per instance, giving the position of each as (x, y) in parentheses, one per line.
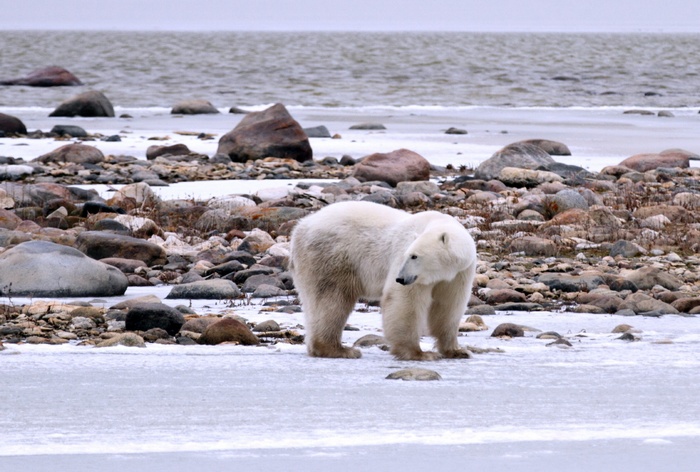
(553, 148)
(46, 77)
(100, 245)
(393, 167)
(520, 155)
(645, 162)
(268, 133)
(74, 153)
(194, 107)
(92, 103)
(145, 316)
(45, 269)
(11, 125)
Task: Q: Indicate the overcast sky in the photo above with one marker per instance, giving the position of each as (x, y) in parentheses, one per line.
(355, 15)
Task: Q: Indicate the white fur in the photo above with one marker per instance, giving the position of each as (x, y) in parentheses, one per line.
(353, 250)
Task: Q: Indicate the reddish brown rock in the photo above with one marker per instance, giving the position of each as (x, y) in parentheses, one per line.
(533, 246)
(47, 77)
(504, 295)
(508, 330)
(74, 153)
(8, 220)
(101, 245)
(397, 166)
(685, 305)
(645, 162)
(228, 330)
(268, 133)
(173, 150)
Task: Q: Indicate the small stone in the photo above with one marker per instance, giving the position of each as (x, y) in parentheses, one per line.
(124, 339)
(561, 342)
(415, 373)
(508, 330)
(266, 326)
(621, 328)
(370, 340)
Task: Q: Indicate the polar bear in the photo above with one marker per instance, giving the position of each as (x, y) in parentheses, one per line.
(419, 266)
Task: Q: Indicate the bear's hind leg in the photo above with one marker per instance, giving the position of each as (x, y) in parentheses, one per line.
(326, 319)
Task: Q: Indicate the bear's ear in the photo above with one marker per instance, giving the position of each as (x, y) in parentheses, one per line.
(443, 238)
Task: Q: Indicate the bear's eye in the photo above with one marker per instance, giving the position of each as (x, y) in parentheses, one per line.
(414, 256)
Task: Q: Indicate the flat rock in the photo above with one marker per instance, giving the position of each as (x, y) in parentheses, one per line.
(52, 76)
(647, 277)
(100, 245)
(194, 107)
(415, 373)
(368, 127)
(46, 269)
(123, 339)
(509, 330)
(73, 153)
(215, 289)
(553, 148)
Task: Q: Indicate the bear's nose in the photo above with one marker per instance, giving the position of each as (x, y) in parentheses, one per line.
(400, 280)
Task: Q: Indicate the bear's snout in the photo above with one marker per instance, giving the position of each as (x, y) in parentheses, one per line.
(406, 280)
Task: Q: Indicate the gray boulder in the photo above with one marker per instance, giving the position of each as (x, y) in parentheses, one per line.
(45, 269)
(11, 124)
(317, 132)
(92, 103)
(194, 107)
(145, 316)
(216, 289)
(521, 155)
(51, 76)
(73, 153)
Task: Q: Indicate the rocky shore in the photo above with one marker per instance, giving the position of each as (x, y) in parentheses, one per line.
(550, 236)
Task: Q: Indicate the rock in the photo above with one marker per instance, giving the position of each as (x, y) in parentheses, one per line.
(73, 153)
(268, 291)
(647, 277)
(256, 242)
(453, 130)
(393, 167)
(520, 155)
(415, 373)
(645, 162)
(571, 283)
(371, 340)
(641, 303)
(621, 328)
(368, 127)
(100, 245)
(625, 249)
(553, 148)
(686, 304)
(8, 220)
(46, 269)
(266, 326)
(194, 107)
(317, 132)
(127, 304)
(46, 77)
(228, 330)
(173, 150)
(127, 266)
(533, 246)
(123, 339)
(528, 178)
(11, 125)
(198, 325)
(14, 172)
(508, 330)
(504, 295)
(154, 334)
(215, 289)
(134, 196)
(566, 200)
(268, 133)
(69, 130)
(86, 104)
(145, 316)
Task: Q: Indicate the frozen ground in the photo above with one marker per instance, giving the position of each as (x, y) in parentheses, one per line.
(596, 136)
(603, 404)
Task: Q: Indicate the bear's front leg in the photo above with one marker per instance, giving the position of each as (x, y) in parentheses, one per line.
(404, 310)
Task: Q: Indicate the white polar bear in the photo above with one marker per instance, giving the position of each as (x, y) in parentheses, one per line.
(420, 266)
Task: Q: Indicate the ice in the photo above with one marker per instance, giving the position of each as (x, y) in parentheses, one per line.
(71, 400)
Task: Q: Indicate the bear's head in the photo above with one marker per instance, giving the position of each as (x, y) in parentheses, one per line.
(436, 255)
